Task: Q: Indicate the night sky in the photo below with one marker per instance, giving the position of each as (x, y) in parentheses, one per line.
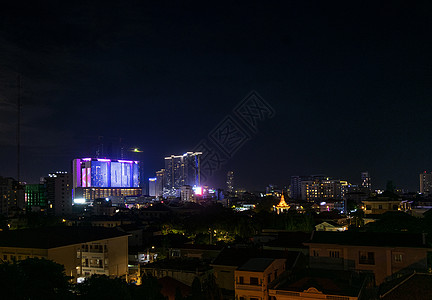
(350, 83)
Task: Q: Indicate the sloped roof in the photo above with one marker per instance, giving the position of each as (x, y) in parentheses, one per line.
(416, 286)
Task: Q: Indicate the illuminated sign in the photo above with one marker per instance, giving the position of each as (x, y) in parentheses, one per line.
(198, 190)
(104, 172)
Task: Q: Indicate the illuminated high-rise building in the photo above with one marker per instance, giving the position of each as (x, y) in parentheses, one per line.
(230, 181)
(181, 170)
(425, 183)
(101, 178)
(36, 196)
(160, 182)
(366, 181)
(152, 186)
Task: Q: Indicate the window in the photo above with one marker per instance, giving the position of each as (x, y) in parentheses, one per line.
(334, 253)
(368, 207)
(380, 206)
(398, 257)
(366, 258)
(254, 281)
(241, 280)
(4, 257)
(315, 252)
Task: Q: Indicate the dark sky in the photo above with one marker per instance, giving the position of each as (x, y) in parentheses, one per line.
(350, 83)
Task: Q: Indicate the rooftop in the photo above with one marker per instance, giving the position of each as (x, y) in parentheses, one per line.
(257, 264)
(52, 237)
(329, 282)
(378, 239)
(415, 286)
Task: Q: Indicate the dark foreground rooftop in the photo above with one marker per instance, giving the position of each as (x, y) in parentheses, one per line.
(52, 237)
(329, 282)
(378, 239)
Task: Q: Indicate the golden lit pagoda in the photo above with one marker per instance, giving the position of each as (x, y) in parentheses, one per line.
(282, 206)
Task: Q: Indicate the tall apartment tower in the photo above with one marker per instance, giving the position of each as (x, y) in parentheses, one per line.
(11, 196)
(160, 182)
(152, 186)
(59, 193)
(230, 181)
(426, 183)
(366, 181)
(182, 170)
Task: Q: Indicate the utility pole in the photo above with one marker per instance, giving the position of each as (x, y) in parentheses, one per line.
(18, 137)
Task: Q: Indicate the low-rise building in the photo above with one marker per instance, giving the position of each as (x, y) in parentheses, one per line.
(253, 279)
(315, 284)
(384, 254)
(83, 251)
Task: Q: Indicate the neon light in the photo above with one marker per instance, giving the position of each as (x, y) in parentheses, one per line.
(198, 190)
(79, 201)
(125, 161)
(103, 159)
(136, 162)
(88, 177)
(153, 179)
(86, 159)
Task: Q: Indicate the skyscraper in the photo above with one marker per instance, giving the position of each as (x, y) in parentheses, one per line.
(152, 186)
(426, 183)
(366, 181)
(160, 177)
(181, 170)
(59, 193)
(230, 181)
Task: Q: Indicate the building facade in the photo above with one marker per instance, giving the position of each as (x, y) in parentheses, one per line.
(36, 196)
(83, 251)
(102, 177)
(11, 196)
(152, 186)
(426, 183)
(181, 170)
(253, 279)
(59, 193)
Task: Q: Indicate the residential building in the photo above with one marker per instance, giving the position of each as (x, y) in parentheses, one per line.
(230, 181)
(11, 196)
(230, 259)
(152, 186)
(314, 284)
(384, 203)
(59, 193)
(330, 226)
(366, 181)
(183, 270)
(425, 183)
(319, 188)
(386, 255)
(181, 170)
(36, 197)
(160, 182)
(83, 251)
(253, 279)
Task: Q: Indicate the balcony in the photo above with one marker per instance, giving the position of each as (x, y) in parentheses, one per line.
(248, 287)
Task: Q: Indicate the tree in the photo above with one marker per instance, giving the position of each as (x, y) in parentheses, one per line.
(103, 287)
(34, 278)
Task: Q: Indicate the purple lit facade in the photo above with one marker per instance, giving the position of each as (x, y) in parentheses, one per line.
(105, 173)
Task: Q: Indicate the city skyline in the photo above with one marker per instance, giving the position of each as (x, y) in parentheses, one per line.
(349, 84)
